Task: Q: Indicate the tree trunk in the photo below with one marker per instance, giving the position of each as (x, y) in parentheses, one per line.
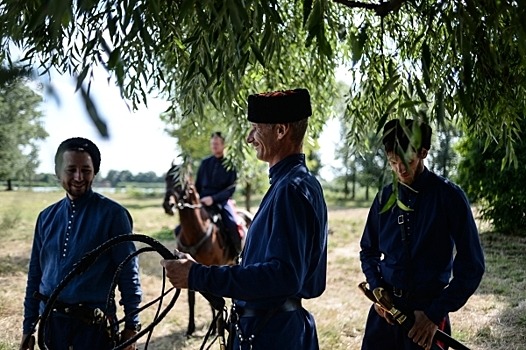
(9, 185)
(248, 192)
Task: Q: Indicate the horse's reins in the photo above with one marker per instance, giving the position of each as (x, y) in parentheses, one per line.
(184, 205)
(193, 249)
(89, 258)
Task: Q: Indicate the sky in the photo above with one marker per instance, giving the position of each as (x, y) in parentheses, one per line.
(137, 141)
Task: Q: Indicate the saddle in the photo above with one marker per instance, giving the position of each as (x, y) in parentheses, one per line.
(214, 212)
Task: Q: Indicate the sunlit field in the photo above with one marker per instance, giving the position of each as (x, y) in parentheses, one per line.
(494, 318)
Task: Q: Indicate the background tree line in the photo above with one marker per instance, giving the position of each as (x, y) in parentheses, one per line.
(114, 178)
(459, 65)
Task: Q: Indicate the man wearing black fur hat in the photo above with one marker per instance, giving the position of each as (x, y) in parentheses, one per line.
(285, 256)
(64, 232)
(420, 244)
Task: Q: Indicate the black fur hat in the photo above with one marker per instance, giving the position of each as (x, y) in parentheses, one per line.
(279, 106)
(78, 144)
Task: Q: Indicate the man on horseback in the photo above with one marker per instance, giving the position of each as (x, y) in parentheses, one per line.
(216, 185)
(285, 255)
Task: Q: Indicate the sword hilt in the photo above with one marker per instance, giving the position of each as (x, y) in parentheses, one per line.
(384, 300)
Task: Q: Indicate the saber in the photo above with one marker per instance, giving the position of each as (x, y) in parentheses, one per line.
(379, 297)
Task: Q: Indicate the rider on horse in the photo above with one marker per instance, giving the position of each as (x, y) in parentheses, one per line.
(216, 185)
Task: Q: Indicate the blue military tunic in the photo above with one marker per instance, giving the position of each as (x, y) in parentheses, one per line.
(285, 257)
(64, 232)
(431, 253)
(215, 180)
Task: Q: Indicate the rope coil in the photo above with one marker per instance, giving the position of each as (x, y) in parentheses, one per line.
(89, 258)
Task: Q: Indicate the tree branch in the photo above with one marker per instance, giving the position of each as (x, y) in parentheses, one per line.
(382, 9)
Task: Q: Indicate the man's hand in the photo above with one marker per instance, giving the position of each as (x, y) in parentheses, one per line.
(177, 270)
(208, 201)
(28, 342)
(423, 330)
(128, 334)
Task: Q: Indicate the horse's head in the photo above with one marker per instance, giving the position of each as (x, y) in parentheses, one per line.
(180, 193)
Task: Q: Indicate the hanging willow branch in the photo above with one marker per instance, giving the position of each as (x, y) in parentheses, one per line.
(382, 9)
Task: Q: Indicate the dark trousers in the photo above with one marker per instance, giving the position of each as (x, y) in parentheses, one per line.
(66, 333)
(380, 335)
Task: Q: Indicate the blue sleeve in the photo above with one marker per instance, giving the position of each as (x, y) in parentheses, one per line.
(199, 176)
(468, 263)
(128, 283)
(283, 267)
(31, 304)
(370, 254)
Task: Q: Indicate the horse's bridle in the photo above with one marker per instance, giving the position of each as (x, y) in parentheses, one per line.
(181, 197)
(182, 204)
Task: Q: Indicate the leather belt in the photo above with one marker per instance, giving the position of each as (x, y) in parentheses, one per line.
(79, 311)
(400, 293)
(406, 294)
(290, 304)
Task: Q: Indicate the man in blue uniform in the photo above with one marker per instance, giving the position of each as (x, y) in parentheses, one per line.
(64, 232)
(285, 256)
(216, 185)
(424, 250)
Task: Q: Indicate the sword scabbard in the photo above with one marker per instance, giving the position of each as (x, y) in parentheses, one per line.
(380, 297)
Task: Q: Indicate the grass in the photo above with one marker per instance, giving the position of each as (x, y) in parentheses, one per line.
(494, 318)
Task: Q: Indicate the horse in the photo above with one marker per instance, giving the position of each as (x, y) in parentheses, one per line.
(199, 234)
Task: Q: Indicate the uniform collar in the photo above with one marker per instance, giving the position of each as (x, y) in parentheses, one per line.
(279, 169)
(420, 181)
(82, 200)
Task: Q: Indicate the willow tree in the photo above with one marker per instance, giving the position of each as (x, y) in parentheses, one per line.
(21, 129)
(460, 61)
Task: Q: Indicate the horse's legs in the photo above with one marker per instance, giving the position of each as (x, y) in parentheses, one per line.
(191, 306)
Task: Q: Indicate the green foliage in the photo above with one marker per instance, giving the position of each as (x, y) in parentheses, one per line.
(431, 60)
(440, 61)
(499, 192)
(20, 130)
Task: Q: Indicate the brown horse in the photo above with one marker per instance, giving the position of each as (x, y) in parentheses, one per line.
(199, 234)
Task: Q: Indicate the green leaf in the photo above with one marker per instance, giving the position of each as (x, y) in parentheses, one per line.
(420, 92)
(389, 204)
(315, 17)
(402, 205)
(391, 84)
(426, 64)
(258, 54)
(409, 104)
(115, 56)
(391, 106)
(358, 43)
(307, 8)
(234, 15)
(185, 10)
(81, 77)
(381, 122)
(440, 109)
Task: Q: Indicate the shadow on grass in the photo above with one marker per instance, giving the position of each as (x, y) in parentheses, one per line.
(505, 278)
(179, 340)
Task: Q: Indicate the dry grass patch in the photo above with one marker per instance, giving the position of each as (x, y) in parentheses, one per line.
(493, 319)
